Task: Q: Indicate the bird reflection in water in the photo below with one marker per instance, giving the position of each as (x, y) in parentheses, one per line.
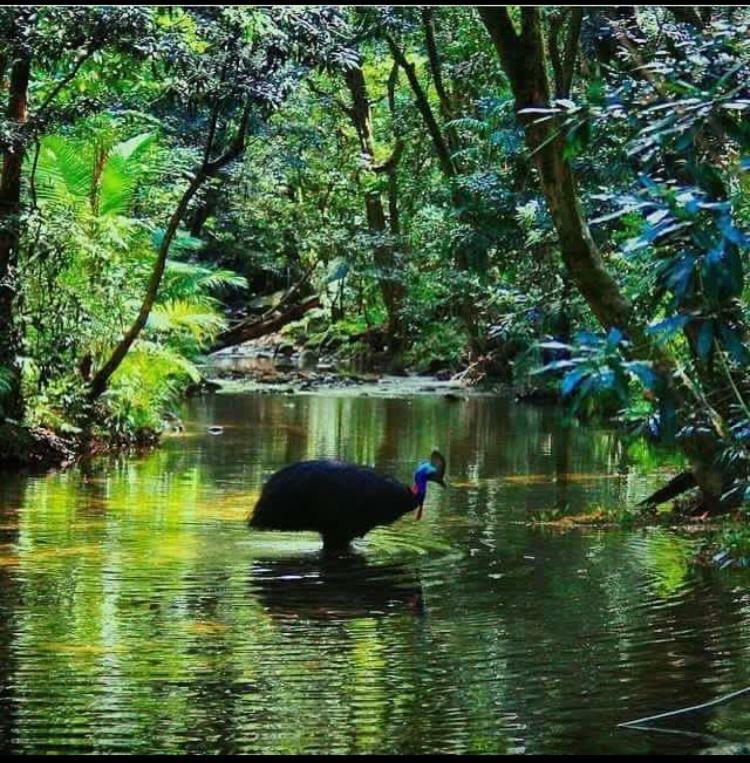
(325, 587)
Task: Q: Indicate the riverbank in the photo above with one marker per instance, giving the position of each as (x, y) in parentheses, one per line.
(274, 364)
(721, 542)
(37, 449)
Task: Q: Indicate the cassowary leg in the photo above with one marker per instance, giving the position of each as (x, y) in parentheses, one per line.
(336, 544)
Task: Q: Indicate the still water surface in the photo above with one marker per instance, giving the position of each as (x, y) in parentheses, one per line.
(139, 614)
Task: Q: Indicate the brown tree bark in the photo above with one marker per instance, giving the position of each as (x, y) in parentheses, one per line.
(272, 321)
(522, 57)
(11, 404)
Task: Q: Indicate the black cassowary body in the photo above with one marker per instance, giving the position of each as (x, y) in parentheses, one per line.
(340, 501)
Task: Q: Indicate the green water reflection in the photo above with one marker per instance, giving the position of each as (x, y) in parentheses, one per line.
(139, 614)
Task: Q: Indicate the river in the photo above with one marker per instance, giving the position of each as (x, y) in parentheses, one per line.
(139, 614)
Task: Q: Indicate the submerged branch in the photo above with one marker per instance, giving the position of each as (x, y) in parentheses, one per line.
(719, 701)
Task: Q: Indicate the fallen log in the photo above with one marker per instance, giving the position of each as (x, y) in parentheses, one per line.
(676, 486)
(269, 322)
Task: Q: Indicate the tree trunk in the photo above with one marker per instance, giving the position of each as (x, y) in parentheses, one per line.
(436, 69)
(203, 211)
(11, 403)
(383, 251)
(423, 106)
(467, 308)
(522, 57)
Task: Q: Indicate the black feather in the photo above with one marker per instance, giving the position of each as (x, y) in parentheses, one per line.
(340, 501)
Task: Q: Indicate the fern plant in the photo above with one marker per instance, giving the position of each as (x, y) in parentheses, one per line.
(93, 204)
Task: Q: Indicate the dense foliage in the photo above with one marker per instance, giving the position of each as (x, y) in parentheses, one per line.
(486, 191)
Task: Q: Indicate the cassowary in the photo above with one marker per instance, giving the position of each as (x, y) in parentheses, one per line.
(340, 501)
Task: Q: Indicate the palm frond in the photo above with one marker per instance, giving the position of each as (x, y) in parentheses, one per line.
(152, 358)
(65, 172)
(135, 147)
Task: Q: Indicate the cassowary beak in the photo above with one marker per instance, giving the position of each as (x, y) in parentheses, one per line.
(419, 511)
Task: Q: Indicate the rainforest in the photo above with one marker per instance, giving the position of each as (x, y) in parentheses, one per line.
(506, 246)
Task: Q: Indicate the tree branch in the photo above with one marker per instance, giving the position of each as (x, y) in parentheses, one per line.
(497, 21)
(571, 48)
(556, 21)
(208, 169)
(423, 105)
(390, 163)
(330, 96)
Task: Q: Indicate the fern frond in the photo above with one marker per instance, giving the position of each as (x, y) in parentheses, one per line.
(183, 280)
(473, 125)
(150, 363)
(181, 315)
(123, 170)
(63, 172)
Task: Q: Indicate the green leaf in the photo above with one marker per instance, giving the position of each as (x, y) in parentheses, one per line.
(577, 139)
(733, 344)
(669, 327)
(722, 273)
(645, 373)
(571, 381)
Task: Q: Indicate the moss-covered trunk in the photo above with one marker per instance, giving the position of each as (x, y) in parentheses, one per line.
(377, 223)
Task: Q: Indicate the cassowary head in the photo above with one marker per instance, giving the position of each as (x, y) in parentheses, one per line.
(428, 471)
